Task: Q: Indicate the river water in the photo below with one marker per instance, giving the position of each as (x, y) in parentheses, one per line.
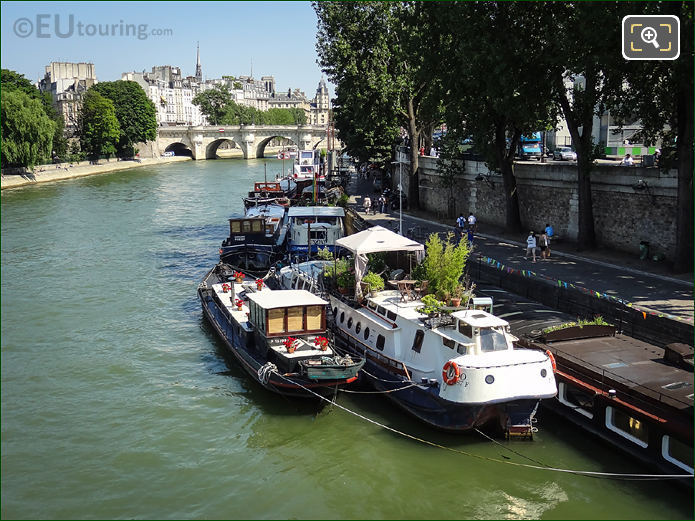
(117, 401)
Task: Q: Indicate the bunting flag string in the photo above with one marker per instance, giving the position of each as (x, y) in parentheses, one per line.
(562, 284)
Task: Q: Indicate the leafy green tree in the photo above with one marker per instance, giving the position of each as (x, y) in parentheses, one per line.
(27, 132)
(660, 94)
(584, 71)
(136, 114)
(99, 128)
(12, 81)
(499, 94)
(214, 103)
(375, 54)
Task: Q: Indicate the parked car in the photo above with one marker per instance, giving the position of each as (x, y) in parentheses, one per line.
(564, 154)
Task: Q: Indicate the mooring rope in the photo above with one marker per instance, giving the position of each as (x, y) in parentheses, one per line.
(589, 473)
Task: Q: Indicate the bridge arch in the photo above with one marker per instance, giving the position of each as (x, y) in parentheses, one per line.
(260, 147)
(179, 149)
(211, 148)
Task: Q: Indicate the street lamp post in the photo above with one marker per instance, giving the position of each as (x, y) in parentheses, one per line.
(400, 193)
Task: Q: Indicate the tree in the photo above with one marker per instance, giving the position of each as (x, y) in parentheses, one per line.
(498, 94)
(585, 77)
(12, 81)
(136, 114)
(27, 132)
(214, 103)
(660, 94)
(99, 128)
(375, 55)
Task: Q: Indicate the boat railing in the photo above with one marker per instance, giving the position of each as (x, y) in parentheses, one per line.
(606, 375)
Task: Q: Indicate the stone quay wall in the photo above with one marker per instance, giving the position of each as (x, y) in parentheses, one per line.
(631, 204)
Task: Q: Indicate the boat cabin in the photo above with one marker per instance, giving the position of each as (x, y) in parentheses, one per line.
(287, 312)
(486, 333)
(322, 224)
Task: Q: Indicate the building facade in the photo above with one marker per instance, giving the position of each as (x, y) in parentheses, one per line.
(67, 82)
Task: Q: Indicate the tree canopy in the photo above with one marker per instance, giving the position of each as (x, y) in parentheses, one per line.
(99, 128)
(136, 114)
(27, 132)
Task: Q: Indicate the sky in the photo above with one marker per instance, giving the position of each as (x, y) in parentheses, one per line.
(275, 38)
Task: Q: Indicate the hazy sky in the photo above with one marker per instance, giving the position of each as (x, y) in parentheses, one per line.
(278, 38)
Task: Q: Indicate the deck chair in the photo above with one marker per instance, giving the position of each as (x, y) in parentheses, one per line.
(406, 293)
(421, 290)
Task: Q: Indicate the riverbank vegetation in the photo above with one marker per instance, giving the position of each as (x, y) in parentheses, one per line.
(493, 72)
(220, 109)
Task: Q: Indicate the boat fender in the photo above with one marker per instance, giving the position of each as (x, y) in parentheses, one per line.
(552, 359)
(451, 373)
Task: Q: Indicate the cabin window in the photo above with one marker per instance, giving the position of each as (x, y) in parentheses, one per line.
(276, 321)
(269, 229)
(257, 226)
(580, 401)
(381, 310)
(358, 328)
(417, 341)
(380, 341)
(371, 305)
(342, 317)
(461, 349)
(391, 315)
(677, 453)
(295, 319)
(366, 333)
(318, 235)
(313, 318)
(627, 426)
(448, 342)
(349, 322)
(235, 226)
(466, 329)
(492, 339)
(246, 226)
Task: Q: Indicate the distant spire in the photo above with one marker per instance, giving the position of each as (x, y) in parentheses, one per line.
(198, 67)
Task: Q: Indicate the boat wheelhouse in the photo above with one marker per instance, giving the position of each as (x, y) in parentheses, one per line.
(279, 337)
(256, 240)
(315, 226)
(307, 165)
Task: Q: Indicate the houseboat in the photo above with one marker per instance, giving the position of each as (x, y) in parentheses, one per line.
(279, 337)
(264, 193)
(636, 396)
(314, 227)
(256, 240)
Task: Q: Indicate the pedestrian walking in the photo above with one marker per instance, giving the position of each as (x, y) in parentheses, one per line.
(382, 204)
(472, 222)
(531, 245)
(367, 204)
(422, 150)
(460, 226)
(470, 236)
(543, 245)
(549, 232)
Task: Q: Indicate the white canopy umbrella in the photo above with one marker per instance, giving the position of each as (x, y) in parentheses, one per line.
(373, 240)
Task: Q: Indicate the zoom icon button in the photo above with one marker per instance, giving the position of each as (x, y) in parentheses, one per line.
(651, 37)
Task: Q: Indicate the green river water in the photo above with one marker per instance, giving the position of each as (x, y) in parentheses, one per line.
(117, 400)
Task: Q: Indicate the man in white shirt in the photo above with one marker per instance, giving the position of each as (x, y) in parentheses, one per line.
(627, 161)
(472, 221)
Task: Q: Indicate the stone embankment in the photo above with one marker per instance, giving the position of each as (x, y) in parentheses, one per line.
(47, 173)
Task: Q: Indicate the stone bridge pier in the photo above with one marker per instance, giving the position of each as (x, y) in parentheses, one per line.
(202, 142)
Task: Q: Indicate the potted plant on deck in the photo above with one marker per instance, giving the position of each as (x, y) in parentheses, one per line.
(444, 265)
(375, 282)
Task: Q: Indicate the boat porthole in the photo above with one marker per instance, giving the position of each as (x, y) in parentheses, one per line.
(358, 328)
(342, 317)
(544, 373)
(335, 311)
(349, 322)
(489, 379)
(366, 333)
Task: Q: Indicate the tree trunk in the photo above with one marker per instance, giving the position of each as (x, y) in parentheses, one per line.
(505, 159)
(684, 149)
(413, 177)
